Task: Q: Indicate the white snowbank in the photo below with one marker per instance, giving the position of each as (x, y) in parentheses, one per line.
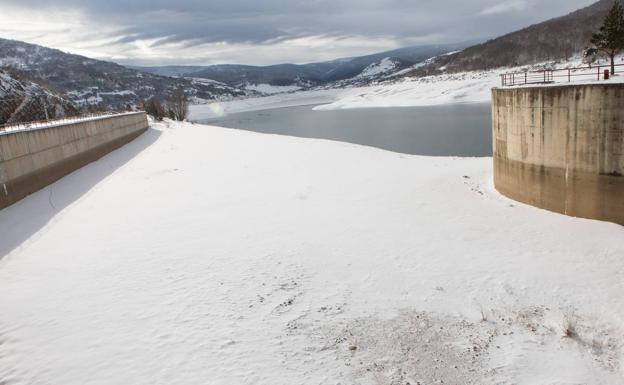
(198, 255)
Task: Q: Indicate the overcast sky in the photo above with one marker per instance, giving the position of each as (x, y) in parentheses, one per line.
(159, 32)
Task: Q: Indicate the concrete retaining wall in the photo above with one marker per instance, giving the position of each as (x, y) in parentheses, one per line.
(561, 148)
(33, 159)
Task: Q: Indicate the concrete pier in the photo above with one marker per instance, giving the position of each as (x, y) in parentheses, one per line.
(561, 148)
(32, 159)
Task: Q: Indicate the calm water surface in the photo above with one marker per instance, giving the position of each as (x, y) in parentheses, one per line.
(451, 130)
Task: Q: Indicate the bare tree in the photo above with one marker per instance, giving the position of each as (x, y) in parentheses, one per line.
(155, 108)
(178, 105)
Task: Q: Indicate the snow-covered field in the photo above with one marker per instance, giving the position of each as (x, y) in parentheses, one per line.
(202, 255)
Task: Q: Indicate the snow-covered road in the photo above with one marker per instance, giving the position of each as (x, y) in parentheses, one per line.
(202, 255)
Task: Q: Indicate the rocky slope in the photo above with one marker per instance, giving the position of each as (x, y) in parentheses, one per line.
(87, 81)
(22, 101)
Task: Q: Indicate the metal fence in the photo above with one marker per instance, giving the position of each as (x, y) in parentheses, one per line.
(565, 75)
(24, 126)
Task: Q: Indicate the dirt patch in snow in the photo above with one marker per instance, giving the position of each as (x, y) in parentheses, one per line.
(418, 348)
(411, 348)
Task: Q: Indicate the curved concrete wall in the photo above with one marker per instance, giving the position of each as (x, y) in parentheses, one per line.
(33, 159)
(561, 148)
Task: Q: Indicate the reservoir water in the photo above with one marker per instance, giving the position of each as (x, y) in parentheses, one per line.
(450, 130)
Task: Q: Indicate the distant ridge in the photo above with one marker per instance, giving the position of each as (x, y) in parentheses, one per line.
(304, 75)
(87, 81)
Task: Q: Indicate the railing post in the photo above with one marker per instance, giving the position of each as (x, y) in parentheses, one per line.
(569, 75)
(598, 73)
(525, 78)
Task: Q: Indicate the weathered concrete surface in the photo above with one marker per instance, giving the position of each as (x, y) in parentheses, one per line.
(33, 159)
(561, 148)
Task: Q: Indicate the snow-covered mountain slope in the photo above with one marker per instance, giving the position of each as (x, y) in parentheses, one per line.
(463, 87)
(198, 255)
(304, 75)
(383, 67)
(22, 101)
(87, 81)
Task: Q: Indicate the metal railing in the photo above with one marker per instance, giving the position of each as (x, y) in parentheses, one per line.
(564, 75)
(35, 124)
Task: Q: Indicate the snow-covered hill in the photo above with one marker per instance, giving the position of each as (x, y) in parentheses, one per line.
(383, 67)
(304, 75)
(87, 81)
(392, 91)
(22, 100)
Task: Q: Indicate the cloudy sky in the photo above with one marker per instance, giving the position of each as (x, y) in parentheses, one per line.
(159, 32)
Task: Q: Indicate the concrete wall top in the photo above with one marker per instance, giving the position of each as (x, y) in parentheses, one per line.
(26, 127)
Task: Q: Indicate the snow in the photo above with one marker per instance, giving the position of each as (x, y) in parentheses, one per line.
(471, 87)
(207, 81)
(385, 65)
(9, 86)
(434, 90)
(463, 87)
(269, 89)
(118, 93)
(218, 109)
(198, 254)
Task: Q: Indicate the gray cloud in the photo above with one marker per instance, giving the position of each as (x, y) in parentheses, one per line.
(194, 23)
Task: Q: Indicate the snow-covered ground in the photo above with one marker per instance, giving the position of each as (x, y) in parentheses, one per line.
(202, 255)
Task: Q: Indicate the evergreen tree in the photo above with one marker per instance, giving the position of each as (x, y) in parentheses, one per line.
(610, 38)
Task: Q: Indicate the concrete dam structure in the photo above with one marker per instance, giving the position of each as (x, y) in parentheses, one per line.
(34, 158)
(561, 148)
